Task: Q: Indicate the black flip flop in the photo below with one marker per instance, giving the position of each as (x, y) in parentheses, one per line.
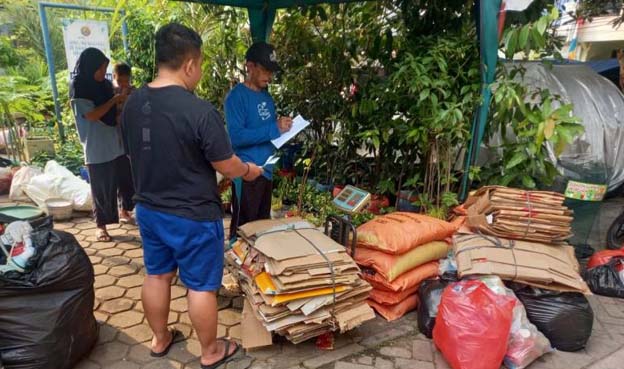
(226, 357)
(174, 335)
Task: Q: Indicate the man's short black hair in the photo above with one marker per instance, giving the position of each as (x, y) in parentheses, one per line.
(175, 43)
(122, 69)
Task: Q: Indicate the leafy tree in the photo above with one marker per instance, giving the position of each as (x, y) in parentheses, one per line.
(23, 16)
(525, 119)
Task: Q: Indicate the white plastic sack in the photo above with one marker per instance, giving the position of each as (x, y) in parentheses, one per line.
(20, 179)
(58, 182)
(526, 343)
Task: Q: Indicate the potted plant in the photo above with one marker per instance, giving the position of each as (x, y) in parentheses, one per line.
(226, 200)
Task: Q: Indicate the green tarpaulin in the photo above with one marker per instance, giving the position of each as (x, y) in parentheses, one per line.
(262, 12)
(488, 44)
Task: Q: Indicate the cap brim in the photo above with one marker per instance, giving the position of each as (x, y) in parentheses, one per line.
(272, 66)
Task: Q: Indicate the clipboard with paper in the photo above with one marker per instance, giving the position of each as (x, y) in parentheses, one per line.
(299, 124)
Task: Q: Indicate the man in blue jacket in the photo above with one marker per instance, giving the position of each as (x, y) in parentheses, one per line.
(252, 123)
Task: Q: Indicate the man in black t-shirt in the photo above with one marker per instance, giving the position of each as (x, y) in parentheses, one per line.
(176, 143)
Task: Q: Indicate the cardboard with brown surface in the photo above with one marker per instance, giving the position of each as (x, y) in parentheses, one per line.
(537, 264)
(299, 283)
(528, 215)
(253, 229)
(253, 332)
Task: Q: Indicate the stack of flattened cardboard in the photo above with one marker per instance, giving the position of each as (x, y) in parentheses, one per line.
(299, 283)
(517, 214)
(552, 267)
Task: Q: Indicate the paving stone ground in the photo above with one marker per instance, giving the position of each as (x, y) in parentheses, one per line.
(125, 335)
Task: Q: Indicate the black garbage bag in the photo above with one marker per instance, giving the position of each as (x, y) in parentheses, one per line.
(605, 279)
(46, 314)
(565, 318)
(429, 294)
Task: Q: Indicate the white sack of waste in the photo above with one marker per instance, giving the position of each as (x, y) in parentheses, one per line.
(58, 182)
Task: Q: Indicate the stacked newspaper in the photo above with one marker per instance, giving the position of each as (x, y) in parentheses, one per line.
(517, 214)
(298, 282)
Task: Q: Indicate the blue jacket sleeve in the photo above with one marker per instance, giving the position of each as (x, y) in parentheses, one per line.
(241, 136)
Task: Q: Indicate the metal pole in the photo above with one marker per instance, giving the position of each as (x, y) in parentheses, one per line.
(76, 7)
(124, 34)
(51, 69)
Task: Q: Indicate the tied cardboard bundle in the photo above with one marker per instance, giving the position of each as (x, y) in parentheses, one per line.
(517, 214)
(540, 265)
(298, 282)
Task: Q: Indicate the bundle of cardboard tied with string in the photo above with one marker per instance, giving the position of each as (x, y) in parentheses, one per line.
(512, 213)
(298, 282)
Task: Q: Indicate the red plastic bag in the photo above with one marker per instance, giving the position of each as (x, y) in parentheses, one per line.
(473, 325)
(604, 257)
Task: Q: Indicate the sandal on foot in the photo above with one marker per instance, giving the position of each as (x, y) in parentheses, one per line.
(226, 356)
(103, 236)
(127, 220)
(174, 335)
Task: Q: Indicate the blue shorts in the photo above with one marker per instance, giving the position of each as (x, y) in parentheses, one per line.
(193, 247)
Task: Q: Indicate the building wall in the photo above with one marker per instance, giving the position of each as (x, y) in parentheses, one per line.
(596, 40)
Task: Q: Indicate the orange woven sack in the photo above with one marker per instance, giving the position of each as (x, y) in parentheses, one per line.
(398, 233)
(391, 298)
(392, 266)
(405, 282)
(394, 312)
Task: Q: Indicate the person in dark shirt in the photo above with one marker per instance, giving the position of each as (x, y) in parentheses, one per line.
(177, 142)
(252, 123)
(122, 84)
(95, 108)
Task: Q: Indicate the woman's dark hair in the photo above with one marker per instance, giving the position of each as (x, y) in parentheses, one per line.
(122, 69)
(84, 85)
(175, 43)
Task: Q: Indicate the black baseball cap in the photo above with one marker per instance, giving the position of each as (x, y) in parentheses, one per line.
(263, 54)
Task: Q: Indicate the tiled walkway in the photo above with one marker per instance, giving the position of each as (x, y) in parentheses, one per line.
(124, 334)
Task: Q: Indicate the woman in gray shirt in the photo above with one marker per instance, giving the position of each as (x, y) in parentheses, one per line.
(94, 105)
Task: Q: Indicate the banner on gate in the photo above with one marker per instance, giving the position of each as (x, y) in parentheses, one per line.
(79, 34)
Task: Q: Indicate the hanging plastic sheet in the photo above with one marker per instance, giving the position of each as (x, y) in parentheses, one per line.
(594, 162)
(597, 156)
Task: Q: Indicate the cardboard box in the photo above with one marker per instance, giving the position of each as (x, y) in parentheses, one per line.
(537, 264)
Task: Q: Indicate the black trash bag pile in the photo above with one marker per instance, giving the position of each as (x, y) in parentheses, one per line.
(429, 293)
(565, 318)
(46, 313)
(605, 279)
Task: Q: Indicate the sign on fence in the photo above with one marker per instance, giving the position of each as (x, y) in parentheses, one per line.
(79, 34)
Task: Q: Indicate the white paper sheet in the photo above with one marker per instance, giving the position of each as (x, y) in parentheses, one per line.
(271, 160)
(299, 124)
(517, 5)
